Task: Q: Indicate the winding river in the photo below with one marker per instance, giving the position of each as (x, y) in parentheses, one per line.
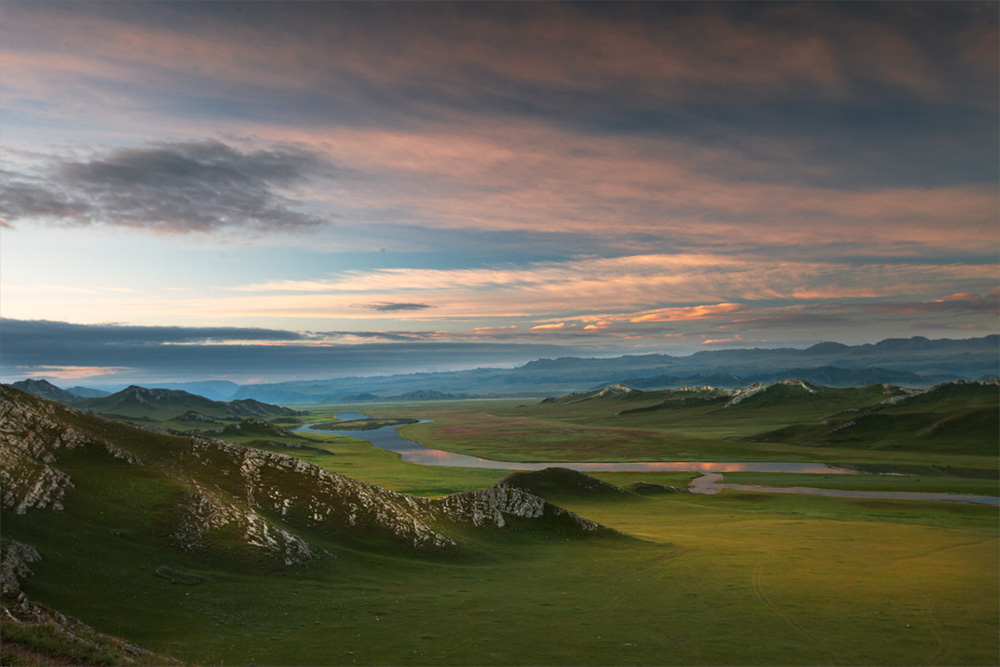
(710, 482)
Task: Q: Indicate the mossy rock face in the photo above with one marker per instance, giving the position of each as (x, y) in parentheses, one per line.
(562, 483)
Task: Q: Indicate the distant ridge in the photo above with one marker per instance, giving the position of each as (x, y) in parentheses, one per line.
(46, 389)
(912, 362)
(830, 376)
(140, 402)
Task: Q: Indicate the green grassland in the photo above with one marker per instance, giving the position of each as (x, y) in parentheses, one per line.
(735, 578)
(730, 579)
(955, 426)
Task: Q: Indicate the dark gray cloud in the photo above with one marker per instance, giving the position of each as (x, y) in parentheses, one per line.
(28, 334)
(390, 307)
(956, 303)
(170, 187)
(140, 354)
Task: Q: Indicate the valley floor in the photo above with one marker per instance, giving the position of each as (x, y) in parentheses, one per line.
(716, 580)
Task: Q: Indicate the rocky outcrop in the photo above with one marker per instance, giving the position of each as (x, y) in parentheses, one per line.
(14, 560)
(305, 495)
(740, 395)
(32, 433)
(204, 513)
(235, 495)
(488, 506)
(615, 390)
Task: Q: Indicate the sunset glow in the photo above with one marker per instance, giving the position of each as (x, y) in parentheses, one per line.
(653, 177)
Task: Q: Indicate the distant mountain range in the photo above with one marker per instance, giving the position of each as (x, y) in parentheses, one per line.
(159, 404)
(912, 362)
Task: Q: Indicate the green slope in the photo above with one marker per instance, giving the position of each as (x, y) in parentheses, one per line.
(734, 579)
(960, 418)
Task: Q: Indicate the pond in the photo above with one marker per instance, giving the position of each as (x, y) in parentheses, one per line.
(388, 438)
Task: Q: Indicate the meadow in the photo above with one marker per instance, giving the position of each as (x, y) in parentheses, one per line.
(735, 578)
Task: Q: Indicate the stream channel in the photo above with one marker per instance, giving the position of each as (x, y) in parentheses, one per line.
(710, 481)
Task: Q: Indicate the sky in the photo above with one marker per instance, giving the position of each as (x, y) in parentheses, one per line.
(271, 190)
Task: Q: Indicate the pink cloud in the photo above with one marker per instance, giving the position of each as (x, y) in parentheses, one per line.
(504, 178)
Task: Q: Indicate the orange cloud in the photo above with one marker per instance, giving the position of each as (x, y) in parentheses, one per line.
(688, 313)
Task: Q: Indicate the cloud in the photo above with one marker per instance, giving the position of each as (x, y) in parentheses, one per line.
(737, 339)
(133, 354)
(20, 333)
(377, 335)
(689, 313)
(464, 54)
(389, 307)
(640, 288)
(956, 303)
(170, 188)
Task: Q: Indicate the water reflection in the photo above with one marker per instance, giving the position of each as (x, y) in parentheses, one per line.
(389, 439)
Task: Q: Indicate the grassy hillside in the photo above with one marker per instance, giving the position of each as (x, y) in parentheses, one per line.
(738, 578)
(959, 418)
(953, 424)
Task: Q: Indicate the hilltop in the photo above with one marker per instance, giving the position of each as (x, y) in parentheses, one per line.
(46, 389)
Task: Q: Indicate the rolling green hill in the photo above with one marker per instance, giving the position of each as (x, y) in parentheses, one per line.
(143, 511)
(959, 417)
(952, 424)
(218, 554)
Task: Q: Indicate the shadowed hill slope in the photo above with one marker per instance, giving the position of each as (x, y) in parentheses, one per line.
(959, 417)
(228, 496)
(124, 506)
